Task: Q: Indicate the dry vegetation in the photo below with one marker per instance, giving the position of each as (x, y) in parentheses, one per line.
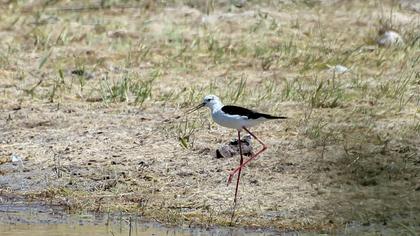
(93, 94)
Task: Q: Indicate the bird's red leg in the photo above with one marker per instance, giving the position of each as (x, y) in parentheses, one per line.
(239, 168)
(241, 162)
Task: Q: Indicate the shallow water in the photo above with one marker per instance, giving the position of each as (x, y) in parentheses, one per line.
(103, 230)
(39, 220)
(23, 219)
(67, 230)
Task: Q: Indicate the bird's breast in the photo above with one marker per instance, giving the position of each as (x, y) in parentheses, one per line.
(229, 121)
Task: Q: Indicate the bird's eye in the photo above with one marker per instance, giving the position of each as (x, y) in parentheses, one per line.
(208, 100)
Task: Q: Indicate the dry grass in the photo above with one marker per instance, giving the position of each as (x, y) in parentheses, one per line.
(93, 97)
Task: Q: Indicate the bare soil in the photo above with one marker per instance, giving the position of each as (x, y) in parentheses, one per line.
(114, 136)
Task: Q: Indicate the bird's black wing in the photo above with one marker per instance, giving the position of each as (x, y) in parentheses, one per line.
(241, 111)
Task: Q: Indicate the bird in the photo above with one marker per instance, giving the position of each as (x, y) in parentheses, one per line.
(239, 118)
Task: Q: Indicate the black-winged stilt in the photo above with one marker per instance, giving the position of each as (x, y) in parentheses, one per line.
(238, 118)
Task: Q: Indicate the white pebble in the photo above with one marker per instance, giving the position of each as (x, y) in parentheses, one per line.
(338, 69)
(390, 38)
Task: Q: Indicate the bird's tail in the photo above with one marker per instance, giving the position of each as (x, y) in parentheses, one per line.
(267, 116)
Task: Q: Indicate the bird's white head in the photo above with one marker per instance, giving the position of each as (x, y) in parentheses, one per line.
(211, 101)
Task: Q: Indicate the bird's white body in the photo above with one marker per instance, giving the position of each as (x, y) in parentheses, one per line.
(230, 121)
(234, 121)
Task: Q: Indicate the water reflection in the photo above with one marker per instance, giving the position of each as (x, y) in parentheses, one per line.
(41, 220)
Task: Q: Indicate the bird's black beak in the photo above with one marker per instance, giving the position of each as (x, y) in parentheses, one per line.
(197, 107)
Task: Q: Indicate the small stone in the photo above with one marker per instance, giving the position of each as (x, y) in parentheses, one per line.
(121, 34)
(16, 158)
(254, 181)
(390, 38)
(238, 3)
(338, 69)
(232, 148)
(82, 73)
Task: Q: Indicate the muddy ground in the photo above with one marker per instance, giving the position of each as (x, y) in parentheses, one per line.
(93, 100)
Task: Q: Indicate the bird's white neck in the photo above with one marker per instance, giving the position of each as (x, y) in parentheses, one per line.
(215, 106)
